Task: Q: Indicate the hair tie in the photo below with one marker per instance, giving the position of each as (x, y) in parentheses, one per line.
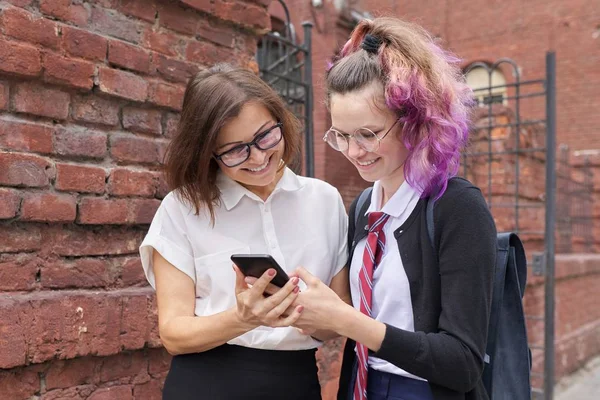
(371, 43)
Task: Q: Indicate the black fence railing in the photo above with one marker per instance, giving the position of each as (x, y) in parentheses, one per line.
(574, 204)
(287, 67)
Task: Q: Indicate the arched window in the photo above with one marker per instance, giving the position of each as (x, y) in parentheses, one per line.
(486, 90)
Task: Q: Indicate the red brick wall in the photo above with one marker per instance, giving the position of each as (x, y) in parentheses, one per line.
(89, 97)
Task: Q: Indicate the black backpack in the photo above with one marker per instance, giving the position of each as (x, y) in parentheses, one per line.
(506, 374)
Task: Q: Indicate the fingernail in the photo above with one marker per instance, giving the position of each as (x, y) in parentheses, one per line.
(272, 272)
(300, 309)
(296, 289)
(295, 281)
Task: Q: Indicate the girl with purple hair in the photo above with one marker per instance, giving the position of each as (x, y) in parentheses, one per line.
(417, 331)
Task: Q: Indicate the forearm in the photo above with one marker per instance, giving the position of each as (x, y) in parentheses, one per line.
(355, 325)
(192, 334)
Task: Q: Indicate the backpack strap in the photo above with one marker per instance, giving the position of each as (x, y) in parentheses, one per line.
(358, 211)
(429, 221)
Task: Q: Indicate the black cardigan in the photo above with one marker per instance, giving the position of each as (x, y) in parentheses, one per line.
(451, 294)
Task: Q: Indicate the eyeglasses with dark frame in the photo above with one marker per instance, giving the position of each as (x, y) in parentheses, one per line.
(241, 153)
(365, 138)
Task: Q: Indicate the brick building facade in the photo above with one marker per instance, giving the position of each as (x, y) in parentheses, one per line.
(89, 96)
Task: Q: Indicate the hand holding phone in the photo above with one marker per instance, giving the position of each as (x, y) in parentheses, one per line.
(256, 265)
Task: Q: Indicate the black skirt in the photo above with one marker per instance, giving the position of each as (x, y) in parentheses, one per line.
(231, 372)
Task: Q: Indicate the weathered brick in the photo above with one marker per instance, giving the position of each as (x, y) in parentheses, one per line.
(177, 18)
(48, 207)
(79, 273)
(200, 5)
(131, 272)
(22, 384)
(80, 392)
(141, 211)
(98, 211)
(151, 390)
(206, 53)
(18, 271)
(112, 23)
(128, 56)
(81, 43)
(13, 347)
(22, 25)
(68, 373)
(163, 188)
(4, 95)
(69, 241)
(32, 98)
(20, 238)
(123, 84)
(80, 178)
(220, 35)
(159, 361)
(10, 201)
(162, 41)
(66, 324)
(166, 95)
(142, 120)
(171, 124)
(24, 170)
(80, 142)
(161, 148)
(126, 182)
(245, 14)
(125, 365)
(143, 9)
(25, 136)
(95, 110)
(20, 3)
(66, 10)
(133, 149)
(19, 59)
(124, 392)
(68, 72)
(174, 70)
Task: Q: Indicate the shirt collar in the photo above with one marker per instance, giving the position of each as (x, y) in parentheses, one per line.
(232, 192)
(397, 204)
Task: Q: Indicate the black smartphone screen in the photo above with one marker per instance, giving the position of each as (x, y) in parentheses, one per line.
(256, 264)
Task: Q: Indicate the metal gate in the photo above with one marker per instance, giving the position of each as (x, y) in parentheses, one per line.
(287, 67)
(512, 158)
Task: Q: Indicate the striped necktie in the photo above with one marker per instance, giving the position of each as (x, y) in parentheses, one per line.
(371, 258)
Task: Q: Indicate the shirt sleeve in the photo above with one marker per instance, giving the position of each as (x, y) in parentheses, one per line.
(342, 237)
(168, 236)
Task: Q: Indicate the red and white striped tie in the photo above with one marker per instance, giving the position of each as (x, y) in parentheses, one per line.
(371, 258)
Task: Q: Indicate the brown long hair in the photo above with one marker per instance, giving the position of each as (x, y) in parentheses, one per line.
(212, 98)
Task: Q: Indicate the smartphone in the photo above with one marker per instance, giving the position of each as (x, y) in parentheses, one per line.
(256, 264)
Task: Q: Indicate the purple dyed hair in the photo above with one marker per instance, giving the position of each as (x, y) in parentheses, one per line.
(423, 85)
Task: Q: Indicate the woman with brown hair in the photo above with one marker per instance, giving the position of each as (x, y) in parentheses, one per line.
(233, 193)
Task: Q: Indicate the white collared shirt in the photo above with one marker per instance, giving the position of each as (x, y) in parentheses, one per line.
(391, 302)
(302, 223)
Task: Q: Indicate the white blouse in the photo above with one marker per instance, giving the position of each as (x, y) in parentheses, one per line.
(302, 223)
(391, 302)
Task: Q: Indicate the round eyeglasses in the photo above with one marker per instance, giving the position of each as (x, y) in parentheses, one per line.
(263, 141)
(365, 138)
